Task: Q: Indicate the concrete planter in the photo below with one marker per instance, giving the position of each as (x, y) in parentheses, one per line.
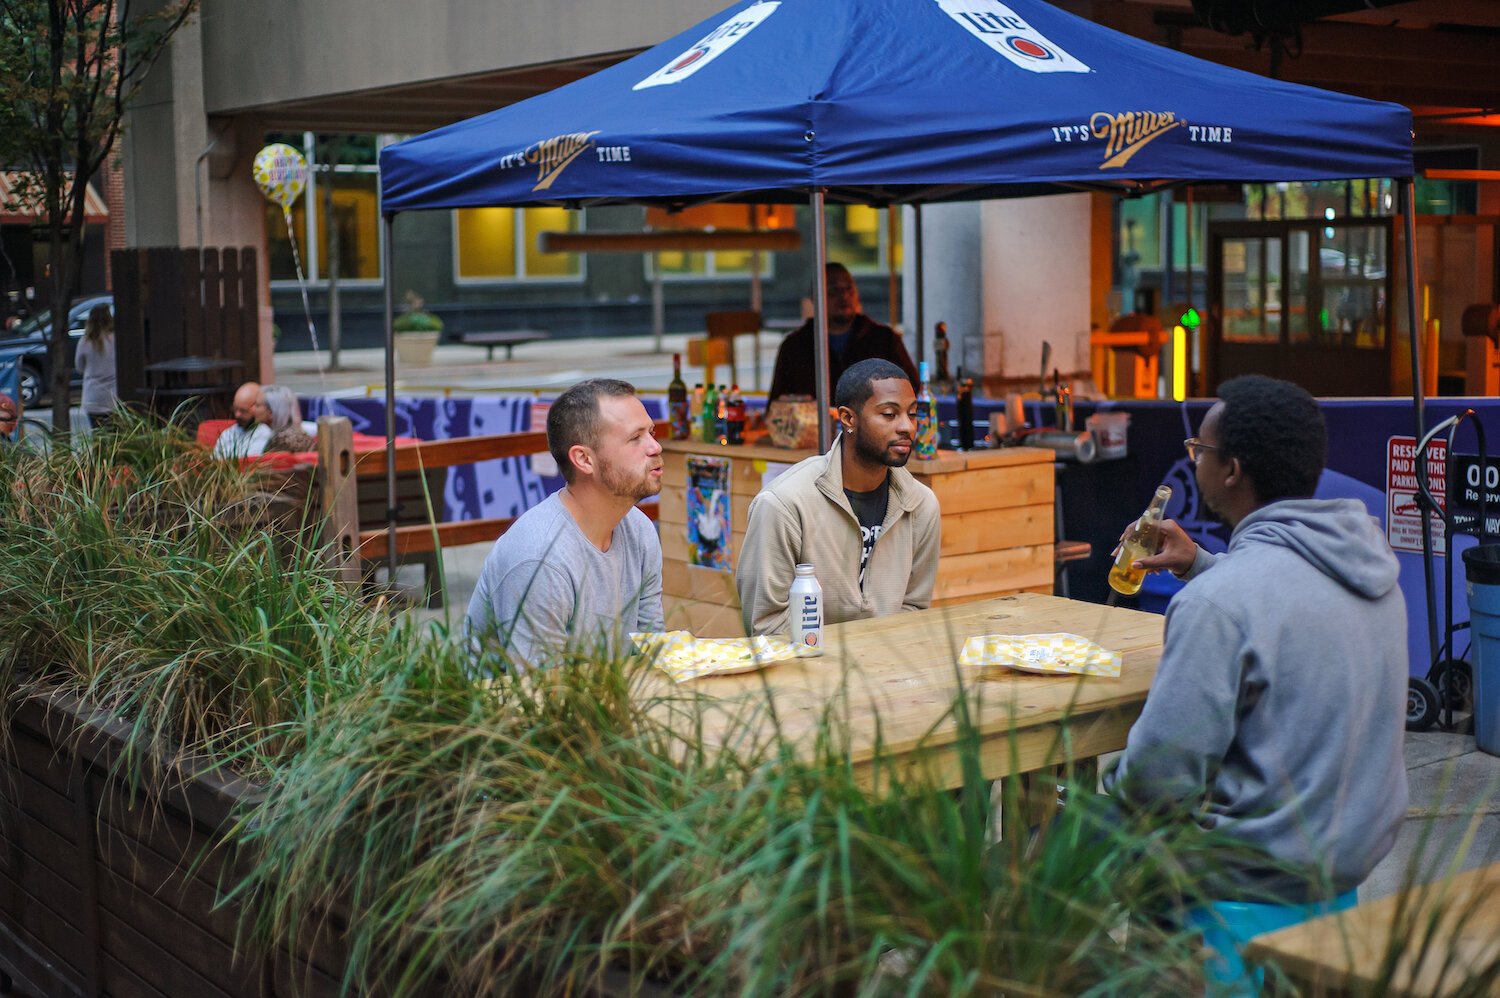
(416, 348)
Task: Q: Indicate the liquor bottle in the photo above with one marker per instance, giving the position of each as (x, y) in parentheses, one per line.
(677, 400)
(721, 417)
(804, 606)
(963, 397)
(695, 413)
(924, 443)
(708, 423)
(1143, 541)
(735, 411)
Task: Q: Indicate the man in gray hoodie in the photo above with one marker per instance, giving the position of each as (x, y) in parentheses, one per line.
(1277, 713)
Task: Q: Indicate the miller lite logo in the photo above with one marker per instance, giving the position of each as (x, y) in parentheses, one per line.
(552, 156)
(1127, 133)
(1007, 33)
(712, 45)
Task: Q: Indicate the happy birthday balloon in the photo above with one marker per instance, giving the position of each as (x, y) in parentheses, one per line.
(281, 173)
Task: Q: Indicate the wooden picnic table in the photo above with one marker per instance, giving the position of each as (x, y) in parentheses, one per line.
(901, 671)
(1343, 953)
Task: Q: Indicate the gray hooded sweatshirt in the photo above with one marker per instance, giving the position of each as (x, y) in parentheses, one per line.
(1279, 707)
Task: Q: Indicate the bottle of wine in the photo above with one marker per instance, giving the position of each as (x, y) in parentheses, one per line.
(924, 443)
(735, 413)
(1143, 541)
(677, 400)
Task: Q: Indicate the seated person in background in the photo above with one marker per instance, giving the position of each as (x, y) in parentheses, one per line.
(855, 514)
(248, 436)
(278, 409)
(852, 337)
(1277, 713)
(10, 414)
(582, 568)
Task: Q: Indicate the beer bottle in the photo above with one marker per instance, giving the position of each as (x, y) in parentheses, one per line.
(924, 446)
(677, 400)
(1143, 541)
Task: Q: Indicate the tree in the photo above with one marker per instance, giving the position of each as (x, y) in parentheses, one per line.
(71, 67)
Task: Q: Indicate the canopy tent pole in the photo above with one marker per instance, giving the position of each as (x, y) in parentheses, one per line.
(892, 289)
(820, 317)
(1409, 213)
(755, 289)
(388, 252)
(921, 302)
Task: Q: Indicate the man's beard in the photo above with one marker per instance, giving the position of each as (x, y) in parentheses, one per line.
(247, 424)
(619, 483)
(879, 455)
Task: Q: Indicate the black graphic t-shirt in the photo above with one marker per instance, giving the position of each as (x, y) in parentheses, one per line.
(869, 509)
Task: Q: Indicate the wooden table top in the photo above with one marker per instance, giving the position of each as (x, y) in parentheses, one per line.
(900, 677)
(1344, 952)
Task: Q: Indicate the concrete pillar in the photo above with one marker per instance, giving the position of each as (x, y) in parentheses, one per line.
(952, 279)
(186, 172)
(1036, 284)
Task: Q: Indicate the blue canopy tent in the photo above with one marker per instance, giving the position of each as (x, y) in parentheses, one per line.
(893, 101)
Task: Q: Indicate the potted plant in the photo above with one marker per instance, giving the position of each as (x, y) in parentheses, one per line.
(417, 332)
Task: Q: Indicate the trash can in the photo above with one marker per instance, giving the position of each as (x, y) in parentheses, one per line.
(1482, 583)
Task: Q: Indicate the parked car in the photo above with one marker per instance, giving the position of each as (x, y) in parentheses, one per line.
(33, 337)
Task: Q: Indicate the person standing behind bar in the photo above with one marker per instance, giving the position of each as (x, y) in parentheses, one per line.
(852, 337)
(1277, 713)
(869, 529)
(583, 567)
(95, 361)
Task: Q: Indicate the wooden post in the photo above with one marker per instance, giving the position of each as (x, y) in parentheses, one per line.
(338, 498)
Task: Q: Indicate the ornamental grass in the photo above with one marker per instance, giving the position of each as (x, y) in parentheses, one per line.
(470, 831)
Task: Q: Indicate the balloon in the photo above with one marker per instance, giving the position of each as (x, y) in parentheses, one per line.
(281, 173)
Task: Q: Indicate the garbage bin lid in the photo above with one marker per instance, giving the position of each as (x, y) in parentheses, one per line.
(1482, 564)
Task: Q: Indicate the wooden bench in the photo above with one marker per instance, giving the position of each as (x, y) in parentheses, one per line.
(507, 338)
(1345, 953)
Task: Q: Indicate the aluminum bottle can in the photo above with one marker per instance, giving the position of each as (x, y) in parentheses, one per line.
(805, 610)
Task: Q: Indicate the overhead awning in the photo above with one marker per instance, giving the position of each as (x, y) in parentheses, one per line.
(95, 212)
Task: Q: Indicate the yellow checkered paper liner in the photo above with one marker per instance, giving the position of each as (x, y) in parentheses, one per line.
(684, 657)
(1049, 653)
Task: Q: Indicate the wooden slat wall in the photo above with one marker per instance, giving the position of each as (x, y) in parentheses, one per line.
(998, 526)
(104, 893)
(179, 302)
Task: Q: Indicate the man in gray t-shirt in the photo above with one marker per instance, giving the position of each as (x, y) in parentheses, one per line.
(583, 568)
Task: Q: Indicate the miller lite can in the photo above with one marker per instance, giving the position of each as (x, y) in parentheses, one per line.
(805, 609)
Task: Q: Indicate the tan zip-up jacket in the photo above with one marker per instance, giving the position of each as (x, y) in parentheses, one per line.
(804, 517)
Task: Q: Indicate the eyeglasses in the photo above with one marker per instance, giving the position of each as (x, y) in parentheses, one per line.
(1196, 447)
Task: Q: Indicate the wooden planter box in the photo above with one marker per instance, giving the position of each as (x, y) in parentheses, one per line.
(103, 891)
(109, 890)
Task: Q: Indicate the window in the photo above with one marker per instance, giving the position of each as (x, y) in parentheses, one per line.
(501, 244)
(353, 183)
(858, 237)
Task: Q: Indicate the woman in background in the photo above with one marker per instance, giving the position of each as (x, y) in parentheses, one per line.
(95, 360)
(278, 409)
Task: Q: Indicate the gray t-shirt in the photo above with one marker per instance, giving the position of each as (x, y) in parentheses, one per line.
(545, 586)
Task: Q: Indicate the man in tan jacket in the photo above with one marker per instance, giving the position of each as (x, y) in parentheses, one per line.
(855, 514)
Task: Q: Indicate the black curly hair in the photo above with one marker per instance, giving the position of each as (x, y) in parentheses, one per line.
(1276, 430)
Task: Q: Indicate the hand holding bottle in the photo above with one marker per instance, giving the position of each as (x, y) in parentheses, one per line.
(1177, 553)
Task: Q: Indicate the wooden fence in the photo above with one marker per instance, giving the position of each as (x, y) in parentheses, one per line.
(173, 303)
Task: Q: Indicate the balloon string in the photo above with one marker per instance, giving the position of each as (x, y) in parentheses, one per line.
(312, 330)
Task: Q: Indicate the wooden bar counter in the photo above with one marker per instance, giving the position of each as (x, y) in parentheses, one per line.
(997, 508)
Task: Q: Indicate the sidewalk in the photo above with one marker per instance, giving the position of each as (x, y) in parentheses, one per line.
(550, 365)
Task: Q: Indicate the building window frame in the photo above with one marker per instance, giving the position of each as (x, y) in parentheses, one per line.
(518, 235)
(308, 244)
